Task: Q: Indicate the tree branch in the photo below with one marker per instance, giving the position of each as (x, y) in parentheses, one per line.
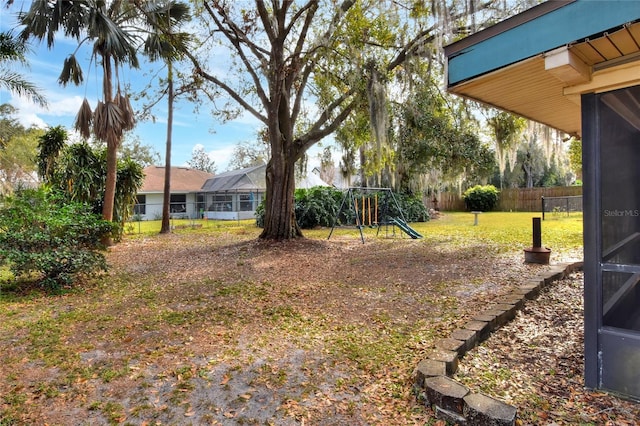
(266, 21)
(312, 56)
(321, 129)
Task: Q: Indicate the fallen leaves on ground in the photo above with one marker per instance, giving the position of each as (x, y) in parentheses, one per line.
(535, 363)
(227, 329)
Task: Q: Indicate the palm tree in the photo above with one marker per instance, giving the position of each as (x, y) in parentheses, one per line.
(13, 50)
(109, 27)
(164, 43)
(50, 146)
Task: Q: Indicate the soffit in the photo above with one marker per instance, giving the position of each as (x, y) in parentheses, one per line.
(538, 63)
(530, 90)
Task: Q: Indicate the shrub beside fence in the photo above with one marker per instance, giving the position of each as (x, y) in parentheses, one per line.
(512, 199)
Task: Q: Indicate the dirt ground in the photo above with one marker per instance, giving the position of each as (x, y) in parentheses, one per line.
(193, 329)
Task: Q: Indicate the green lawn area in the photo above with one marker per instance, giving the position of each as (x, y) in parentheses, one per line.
(504, 231)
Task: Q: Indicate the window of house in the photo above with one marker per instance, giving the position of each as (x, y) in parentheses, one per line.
(246, 202)
(178, 203)
(141, 205)
(221, 203)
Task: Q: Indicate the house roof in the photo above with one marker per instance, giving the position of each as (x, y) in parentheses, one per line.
(310, 180)
(538, 63)
(249, 179)
(183, 179)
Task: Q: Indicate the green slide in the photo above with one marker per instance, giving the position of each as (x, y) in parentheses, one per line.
(405, 227)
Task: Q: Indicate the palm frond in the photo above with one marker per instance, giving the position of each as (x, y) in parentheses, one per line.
(71, 71)
(108, 123)
(84, 119)
(11, 49)
(170, 14)
(154, 46)
(112, 40)
(15, 83)
(128, 115)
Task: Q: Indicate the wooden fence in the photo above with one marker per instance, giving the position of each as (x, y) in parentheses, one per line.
(511, 199)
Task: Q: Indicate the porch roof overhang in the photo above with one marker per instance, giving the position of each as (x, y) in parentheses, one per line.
(537, 64)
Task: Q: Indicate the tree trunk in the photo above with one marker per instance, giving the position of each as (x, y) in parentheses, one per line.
(280, 177)
(112, 155)
(166, 199)
(363, 175)
(110, 189)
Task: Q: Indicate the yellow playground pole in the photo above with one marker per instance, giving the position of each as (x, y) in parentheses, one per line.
(376, 209)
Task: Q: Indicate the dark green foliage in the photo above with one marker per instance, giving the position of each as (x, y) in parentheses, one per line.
(50, 146)
(430, 138)
(46, 238)
(481, 198)
(260, 214)
(319, 206)
(413, 208)
(79, 172)
(129, 180)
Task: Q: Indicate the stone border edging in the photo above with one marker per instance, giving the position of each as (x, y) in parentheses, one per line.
(454, 402)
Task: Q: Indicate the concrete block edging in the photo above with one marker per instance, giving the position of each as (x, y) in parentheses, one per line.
(452, 401)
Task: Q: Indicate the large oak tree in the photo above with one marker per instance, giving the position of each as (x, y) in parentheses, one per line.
(277, 50)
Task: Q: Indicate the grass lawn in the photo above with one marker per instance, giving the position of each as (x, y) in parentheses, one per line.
(503, 230)
(208, 325)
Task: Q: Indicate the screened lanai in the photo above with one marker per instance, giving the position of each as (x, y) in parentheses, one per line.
(575, 66)
(233, 195)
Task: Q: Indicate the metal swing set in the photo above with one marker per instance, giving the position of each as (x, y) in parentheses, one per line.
(371, 207)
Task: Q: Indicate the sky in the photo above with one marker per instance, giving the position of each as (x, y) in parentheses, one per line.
(190, 129)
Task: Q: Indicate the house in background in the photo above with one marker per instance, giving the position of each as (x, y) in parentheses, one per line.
(233, 195)
(185, 185)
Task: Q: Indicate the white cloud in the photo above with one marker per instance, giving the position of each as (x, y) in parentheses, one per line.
(222, 157)
(59, 107)
(29, 120)
(67, 106)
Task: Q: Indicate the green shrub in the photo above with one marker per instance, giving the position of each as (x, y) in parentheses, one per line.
(45, 238)
(413, 209)
(317, 206)
(481, 198)
(260, 214)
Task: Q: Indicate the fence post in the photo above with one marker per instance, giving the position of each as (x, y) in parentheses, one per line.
(542, 207)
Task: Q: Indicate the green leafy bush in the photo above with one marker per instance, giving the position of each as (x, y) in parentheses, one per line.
(260, 214)
(481, 198)
(79, 171)
(317, 206)
(413, 208)
(46, 238)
